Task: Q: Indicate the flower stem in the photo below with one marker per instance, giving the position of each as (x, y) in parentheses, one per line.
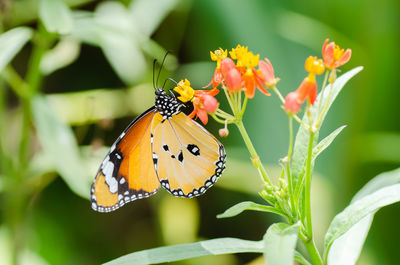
(307, 185)
(312, 251)
(322, 91)
(289, 176)
(279, 94)
(254, 156)
(244, 106)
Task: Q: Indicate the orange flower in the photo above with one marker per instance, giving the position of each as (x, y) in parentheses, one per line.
(204, 103)
(218, 56)
(246, 63)
(334, 56)
(268, 72)
(307, 89)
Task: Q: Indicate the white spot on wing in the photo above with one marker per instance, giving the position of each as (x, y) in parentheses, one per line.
(110, 180)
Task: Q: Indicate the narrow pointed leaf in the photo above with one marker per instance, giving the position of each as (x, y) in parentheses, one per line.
(11, 42)
(323, 144)
(300, 259)
(63, 54)
(58, 142)
(280, 242)
(192, 250)
(358, 210)
(243, 206)
(140, 9)
(346, 249)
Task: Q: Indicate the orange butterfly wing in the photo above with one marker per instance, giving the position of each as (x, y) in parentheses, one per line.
(127, 172)
(188, 159)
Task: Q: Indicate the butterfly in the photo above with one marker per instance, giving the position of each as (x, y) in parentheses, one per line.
(162, 147)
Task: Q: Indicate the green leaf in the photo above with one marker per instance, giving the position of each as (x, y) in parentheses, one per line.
(11, 42)
(299, 258)
(140, 10)
(186, 251)
(323, 144)
(280, 242)
(243, 206)
(56, 16)
(347, 248)
(64, 53)
(58, 141)
(302, 137)
(358, 210)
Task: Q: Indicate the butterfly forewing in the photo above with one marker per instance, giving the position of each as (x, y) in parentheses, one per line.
(189, 159)
(127, 173)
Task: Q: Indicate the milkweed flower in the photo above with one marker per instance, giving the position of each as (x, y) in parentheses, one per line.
(334, 56)
(246, 62)
(204, 103)
(218, 56)
(184, 90)
(308, 88)
(268, 72)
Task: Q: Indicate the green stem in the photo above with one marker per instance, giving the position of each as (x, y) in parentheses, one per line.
(33, 79)
(15, 81)
(324, 110)
(275, 89)
(322, 91)
(289, 158)
(228, 97)
(313, 252)
(244, 106)
(253, 154)
(308, 187)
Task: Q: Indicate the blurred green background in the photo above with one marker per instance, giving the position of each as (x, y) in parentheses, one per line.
(92, 74)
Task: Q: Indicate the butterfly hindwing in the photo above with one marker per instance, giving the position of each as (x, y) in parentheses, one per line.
(189, 158)
(127, 172)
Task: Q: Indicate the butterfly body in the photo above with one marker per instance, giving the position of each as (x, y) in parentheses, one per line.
(161, 147)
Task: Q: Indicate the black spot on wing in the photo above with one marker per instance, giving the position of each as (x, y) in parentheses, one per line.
(193, 149)
(180, 157)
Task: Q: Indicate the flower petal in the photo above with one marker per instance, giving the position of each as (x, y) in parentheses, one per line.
(344, 59)
(202, 114)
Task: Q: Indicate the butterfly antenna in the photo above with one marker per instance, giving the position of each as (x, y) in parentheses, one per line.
(154, 70)
(161, 67)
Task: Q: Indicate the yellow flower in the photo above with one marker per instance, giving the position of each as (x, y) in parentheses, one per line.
(218, 55)
(183, 88)
(314, 66)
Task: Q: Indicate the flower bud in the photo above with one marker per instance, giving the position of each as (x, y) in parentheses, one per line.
(224, 132)
(226, 65)
(292, 103)
(210, 104)
(233, 80)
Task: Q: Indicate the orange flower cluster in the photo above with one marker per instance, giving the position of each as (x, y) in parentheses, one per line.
(333, 57)
(243, 74)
